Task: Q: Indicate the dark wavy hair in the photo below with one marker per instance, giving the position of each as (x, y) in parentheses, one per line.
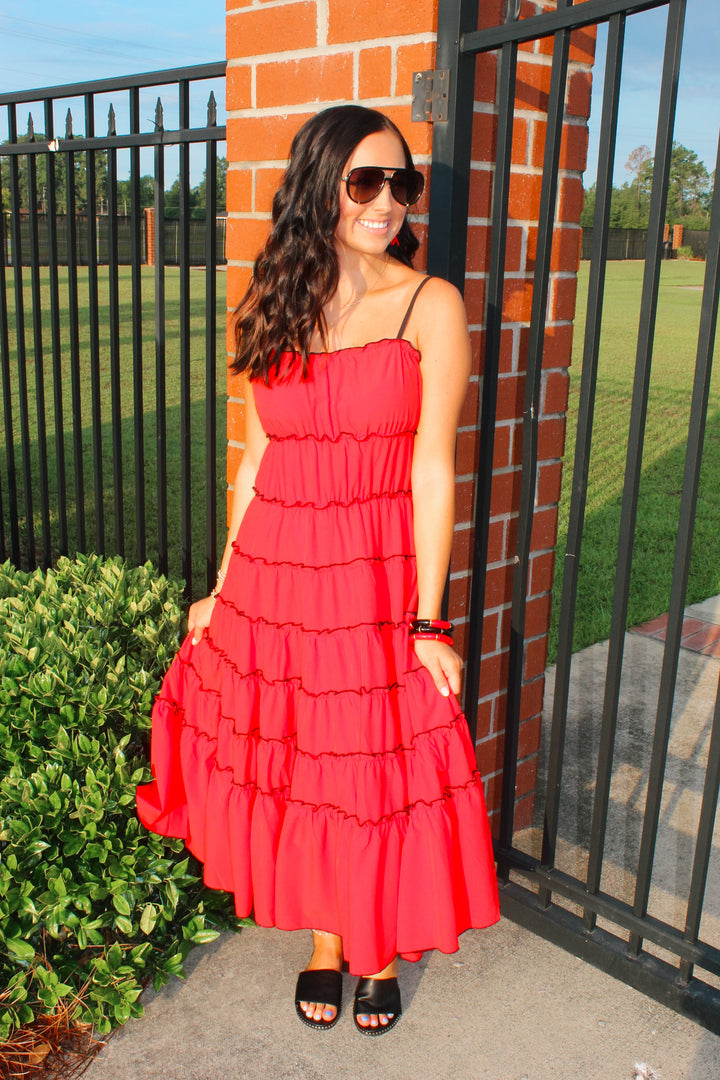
(296, 273)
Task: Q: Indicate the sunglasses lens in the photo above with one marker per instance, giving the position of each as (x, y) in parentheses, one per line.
(407, 186)
(366, 182)
(363, 184)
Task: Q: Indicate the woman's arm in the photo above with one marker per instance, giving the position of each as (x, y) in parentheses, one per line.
(444, 344)
(255, 442)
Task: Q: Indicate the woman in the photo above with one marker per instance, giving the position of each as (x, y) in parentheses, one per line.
(307, 741)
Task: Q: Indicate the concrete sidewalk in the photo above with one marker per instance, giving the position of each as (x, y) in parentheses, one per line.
(508, 1005)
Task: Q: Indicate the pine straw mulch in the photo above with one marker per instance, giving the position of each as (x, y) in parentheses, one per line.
(52, 1047)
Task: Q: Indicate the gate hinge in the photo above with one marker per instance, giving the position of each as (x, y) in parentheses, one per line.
(430, 95)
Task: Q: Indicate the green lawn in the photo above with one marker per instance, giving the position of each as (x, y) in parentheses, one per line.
(663, 458)
(172, 368)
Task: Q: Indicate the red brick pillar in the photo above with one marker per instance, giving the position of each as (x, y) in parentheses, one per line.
(677, 236)
(289, 59)
(150, 241)
(285, 62)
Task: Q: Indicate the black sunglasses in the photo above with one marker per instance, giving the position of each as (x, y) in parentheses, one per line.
(365, 183)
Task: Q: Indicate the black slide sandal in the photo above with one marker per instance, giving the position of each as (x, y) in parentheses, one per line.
(323, 985)
(375, 996)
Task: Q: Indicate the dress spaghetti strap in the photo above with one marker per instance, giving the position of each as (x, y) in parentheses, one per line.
(411, 305)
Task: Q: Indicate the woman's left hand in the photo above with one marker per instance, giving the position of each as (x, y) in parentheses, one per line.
(199, 617)
(442, 662)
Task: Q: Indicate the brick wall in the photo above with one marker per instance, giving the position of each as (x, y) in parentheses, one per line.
(287, 59)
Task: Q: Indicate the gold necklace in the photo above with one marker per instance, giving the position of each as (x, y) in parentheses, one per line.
(369, 289)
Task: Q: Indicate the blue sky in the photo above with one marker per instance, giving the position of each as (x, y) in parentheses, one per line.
(44, 44)
(698, 110)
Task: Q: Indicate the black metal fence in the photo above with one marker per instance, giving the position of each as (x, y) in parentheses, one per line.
(123, 355)
(698, 242)
(121, 229)
(560, 879)
(621, 243)
(197, 242)
(632, 243)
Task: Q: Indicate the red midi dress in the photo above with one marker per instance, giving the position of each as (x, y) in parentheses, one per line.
(300, 749)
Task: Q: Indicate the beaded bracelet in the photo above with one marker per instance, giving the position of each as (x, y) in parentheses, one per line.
(215, 591)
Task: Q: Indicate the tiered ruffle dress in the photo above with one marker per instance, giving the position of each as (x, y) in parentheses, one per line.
(300, 749)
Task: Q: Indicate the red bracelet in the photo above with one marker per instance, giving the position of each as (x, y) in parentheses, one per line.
(427, 625)
(424, 636)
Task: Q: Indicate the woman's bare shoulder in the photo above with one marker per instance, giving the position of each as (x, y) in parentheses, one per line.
(439, 315)
(440, 297)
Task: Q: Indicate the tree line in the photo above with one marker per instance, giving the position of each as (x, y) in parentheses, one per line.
(197, 197)
(689, 192)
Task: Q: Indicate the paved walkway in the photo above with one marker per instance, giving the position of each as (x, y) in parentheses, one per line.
(508, 1005)
(701, 627)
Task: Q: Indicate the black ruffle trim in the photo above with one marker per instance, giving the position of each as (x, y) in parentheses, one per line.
(395, 494)
(381, 623)
(399, 750)
(321, 566)
(448, 794)
(294, 679)
(341, 435)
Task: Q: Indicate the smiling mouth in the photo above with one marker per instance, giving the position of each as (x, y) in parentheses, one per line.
(374, 226)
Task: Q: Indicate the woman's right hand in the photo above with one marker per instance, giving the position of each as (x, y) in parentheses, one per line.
(199, 617)
(443, 663)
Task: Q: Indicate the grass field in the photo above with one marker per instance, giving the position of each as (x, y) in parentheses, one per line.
(663, 457)
(127, 398)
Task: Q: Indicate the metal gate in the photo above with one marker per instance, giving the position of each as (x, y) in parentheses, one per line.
(118, 387)
(610, 926)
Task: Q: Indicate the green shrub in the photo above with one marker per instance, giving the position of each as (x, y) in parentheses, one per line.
(89, 900)
(684, 252)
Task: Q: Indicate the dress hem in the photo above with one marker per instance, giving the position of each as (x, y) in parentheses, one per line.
(410, 955)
